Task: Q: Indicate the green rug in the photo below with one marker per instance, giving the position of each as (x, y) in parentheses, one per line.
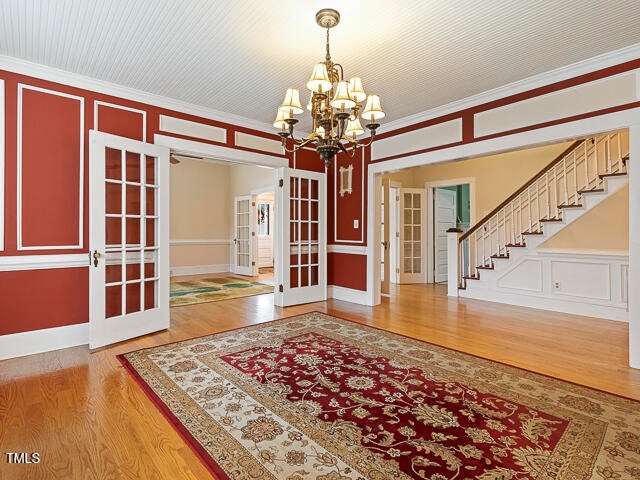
(203, 290)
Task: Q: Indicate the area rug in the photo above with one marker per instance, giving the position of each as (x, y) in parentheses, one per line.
(317, 397)
(202, 290)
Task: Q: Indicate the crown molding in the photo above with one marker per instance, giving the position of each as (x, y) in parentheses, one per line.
(583, 67)
(44, 72)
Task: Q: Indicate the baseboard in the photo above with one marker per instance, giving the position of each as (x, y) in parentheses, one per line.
(38, 341)
(610, 312)
(199, 269)
(348, 295)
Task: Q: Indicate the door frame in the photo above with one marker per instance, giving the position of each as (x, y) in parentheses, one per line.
(439, 193)
(223, 154)
(106, 331)
(450, 182)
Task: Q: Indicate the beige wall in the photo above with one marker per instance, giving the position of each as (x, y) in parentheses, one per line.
(496, 176)
(200, 210)
(604, 227)
(245, 178)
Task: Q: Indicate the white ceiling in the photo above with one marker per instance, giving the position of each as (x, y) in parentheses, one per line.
(240, 56)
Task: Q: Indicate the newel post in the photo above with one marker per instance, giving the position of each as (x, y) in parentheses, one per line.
(453, 261)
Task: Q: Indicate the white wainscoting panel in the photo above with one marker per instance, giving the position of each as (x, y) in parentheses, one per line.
(423, 138)
(527, 276)
(192, 129)
(258, 143)
(589, 97)
(581, 279)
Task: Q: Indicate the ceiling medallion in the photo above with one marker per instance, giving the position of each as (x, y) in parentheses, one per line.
(334, 106)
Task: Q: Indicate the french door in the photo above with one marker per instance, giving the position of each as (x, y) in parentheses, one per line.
(243, 257)
(128, 237)
(385, 234)
(300, 266)
(412, 235)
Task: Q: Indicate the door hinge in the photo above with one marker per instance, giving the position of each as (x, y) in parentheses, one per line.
(253, 264)
(281, 183)
(253, 204)
(397, 234)
(281, 288)
(397, 270)
(253, 234)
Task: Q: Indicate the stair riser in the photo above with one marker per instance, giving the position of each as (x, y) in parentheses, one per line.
(612, 184)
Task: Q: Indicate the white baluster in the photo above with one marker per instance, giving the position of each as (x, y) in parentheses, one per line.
(529, 205)
(520, 224)
(608, 153)
(513, 227)
(566, 187)
(586, 167)
(620, 164)
(546, 179)
(575, 177)
(538, 214)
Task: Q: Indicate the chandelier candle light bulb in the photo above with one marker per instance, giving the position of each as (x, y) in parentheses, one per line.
(334, 107)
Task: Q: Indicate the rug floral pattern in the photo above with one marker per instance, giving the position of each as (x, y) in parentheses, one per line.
(316, 397)
(188, 292)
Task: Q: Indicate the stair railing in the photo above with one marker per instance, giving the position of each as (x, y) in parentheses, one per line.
(558, 186)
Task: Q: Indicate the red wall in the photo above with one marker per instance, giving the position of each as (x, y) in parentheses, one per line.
(54, 122)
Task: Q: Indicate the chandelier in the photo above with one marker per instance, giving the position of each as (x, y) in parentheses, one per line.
(334, 106)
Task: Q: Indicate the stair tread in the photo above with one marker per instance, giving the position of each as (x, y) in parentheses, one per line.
(571, 205)
(509, 245)
(471, 277)
(506, 255)
(591, 190)
(485, 267)
(554, 219)
(536, 232)
(616, 174)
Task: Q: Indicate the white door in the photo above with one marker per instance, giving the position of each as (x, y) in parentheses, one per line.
(301, 244)
(444, 218)
(384, 235)
(412, 235)
(264, 232)
(243, 262)
(129, 238)
(394, 235)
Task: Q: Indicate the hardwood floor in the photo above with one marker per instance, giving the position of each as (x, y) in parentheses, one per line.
(88, 419)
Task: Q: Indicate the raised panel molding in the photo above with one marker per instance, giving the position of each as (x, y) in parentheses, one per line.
(527, 275)
(581, 279)
(336, 180)
(192, 129)
(428, 137)
(80, 228)
(43, 262)
(258, 143)
(96, 117)
(2, 216)
(589, 97)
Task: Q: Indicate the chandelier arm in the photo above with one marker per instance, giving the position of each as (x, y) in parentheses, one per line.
(373, 134)
(353, 150)
(298, 144)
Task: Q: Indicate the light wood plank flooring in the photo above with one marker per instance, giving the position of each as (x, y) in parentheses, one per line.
(88, 419)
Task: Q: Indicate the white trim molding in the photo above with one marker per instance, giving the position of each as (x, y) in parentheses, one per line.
(43, 262)
(20, 246)
(347, 294)
(2, 216)
(38, 341)
(218, 152)
(348, 249)
(335, 201)
(199, 269)
(96, 117)
(173, 243)
(51, 74)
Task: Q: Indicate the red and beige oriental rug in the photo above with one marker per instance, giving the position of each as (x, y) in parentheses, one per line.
(317, 397)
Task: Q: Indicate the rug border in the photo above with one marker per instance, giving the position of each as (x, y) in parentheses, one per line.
(209, 463)
(205, 459)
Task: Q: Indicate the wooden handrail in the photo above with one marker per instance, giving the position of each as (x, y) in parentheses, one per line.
(572, 147)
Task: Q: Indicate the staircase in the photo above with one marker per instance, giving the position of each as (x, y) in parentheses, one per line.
(501, 250)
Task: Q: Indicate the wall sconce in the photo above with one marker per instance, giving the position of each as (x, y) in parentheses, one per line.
(345, 180)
